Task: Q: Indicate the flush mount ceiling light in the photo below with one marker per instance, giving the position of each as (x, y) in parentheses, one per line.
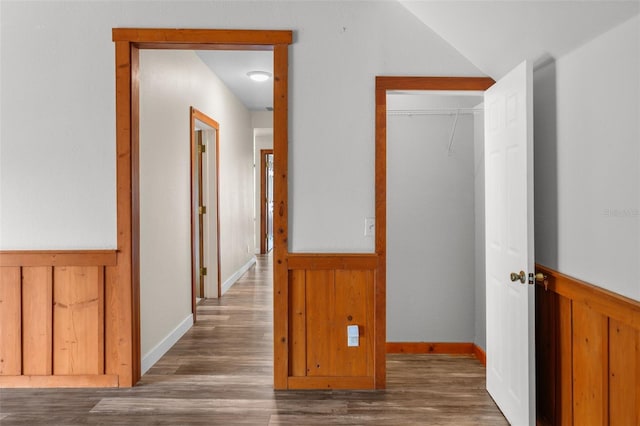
(259, 75)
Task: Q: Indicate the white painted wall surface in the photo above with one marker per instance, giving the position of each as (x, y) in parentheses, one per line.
(262, 119)
(57, 179)
(480, 275)
(587, 157)
(58, 66)
(431, 279)
(171, 82)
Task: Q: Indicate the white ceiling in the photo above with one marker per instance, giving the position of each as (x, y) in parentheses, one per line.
(494, 35)
(497, 35)
(232, 66)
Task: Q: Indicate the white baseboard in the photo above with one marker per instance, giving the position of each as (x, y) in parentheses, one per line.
(161, 348)
(235, 277)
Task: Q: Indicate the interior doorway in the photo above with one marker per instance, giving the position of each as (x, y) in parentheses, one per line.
(266, 200)
(124, 279)
(384, 85)
(434, 179)
(205, 222)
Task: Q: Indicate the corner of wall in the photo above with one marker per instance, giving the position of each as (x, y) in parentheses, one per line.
(229, 282)
(154, 355)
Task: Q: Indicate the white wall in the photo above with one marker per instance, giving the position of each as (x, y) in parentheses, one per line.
(57, 179)
(171, 82)
(262, 119)
(431, 279)
(587, 157)
(480, 269)
(58, 81)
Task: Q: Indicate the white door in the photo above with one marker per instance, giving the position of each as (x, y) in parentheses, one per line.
(509, 245)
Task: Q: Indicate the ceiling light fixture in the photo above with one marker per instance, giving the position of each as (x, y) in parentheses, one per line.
(259, 75)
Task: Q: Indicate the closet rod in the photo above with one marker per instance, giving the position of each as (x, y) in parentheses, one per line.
(445, 111)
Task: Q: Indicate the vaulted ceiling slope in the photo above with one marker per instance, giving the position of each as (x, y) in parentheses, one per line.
(497, 35)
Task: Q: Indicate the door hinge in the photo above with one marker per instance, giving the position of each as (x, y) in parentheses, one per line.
(202, 148)
(203, 271)
(202, 210)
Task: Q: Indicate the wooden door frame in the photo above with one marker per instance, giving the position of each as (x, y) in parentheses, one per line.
(195, 114)
(263, 196)
(383, 85)
(125, 280)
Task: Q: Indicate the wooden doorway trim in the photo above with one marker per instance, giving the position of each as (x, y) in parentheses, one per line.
(123, 286)
(263, 197)
(383, 85)
(194, 154)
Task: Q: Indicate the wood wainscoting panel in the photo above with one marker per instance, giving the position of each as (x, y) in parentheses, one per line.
(297, 324)
(554, 363)
(37, 333)
(78, 320)
(52, 318)
(57, 257)
(444, 348)
(590, 361)
(319, 302)
(326, 294)
(587, 352)
(449, 348)
(546, 338)
(332, 382)
(564, 362)
(624, 374)
(353, 306)
(10, 322)
(75, 381)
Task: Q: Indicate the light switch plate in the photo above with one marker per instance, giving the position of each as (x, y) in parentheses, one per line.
(369, 226)
(353, 335)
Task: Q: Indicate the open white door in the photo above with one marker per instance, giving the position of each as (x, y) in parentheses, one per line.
(509, 245)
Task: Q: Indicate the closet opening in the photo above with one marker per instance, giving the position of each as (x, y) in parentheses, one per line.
(435, 221)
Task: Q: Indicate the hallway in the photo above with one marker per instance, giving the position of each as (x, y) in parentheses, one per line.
(220, 372)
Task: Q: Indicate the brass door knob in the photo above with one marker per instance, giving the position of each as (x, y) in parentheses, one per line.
(522, 277)
(540, 277)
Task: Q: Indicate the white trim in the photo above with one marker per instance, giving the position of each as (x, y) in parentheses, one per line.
(161, 348)
(240, 272)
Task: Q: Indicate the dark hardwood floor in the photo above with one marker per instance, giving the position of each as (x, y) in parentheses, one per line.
(220, 373)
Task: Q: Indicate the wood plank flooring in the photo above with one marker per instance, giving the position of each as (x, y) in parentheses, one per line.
(220, 373)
